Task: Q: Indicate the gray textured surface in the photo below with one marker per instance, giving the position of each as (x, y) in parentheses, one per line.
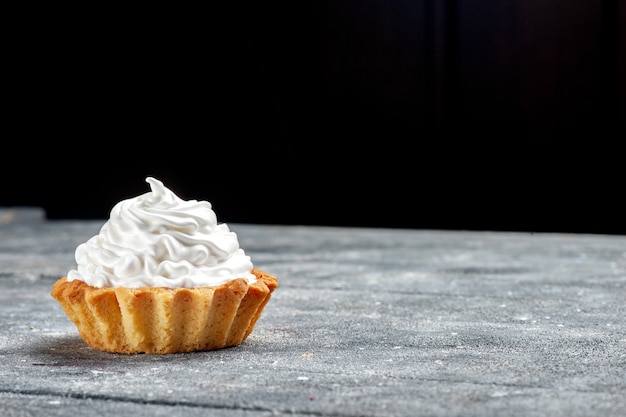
(365, 322)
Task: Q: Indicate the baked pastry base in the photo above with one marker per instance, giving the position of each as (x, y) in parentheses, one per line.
(165, 320)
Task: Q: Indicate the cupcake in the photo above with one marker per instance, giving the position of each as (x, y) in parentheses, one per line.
(162, 276)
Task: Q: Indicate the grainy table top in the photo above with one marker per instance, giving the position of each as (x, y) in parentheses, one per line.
(365, 322)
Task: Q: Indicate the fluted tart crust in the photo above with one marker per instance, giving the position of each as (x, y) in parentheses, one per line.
(165, 320)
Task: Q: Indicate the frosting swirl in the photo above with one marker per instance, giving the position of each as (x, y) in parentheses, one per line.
(159, 240)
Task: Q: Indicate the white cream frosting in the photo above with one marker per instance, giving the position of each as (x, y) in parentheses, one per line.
(159, 240)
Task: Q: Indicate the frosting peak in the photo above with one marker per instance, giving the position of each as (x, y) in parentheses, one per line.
(159, 240)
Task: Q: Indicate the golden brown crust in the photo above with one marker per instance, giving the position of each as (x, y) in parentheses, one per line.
(165, 320)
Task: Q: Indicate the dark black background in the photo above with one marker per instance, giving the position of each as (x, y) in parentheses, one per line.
(419, 114)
